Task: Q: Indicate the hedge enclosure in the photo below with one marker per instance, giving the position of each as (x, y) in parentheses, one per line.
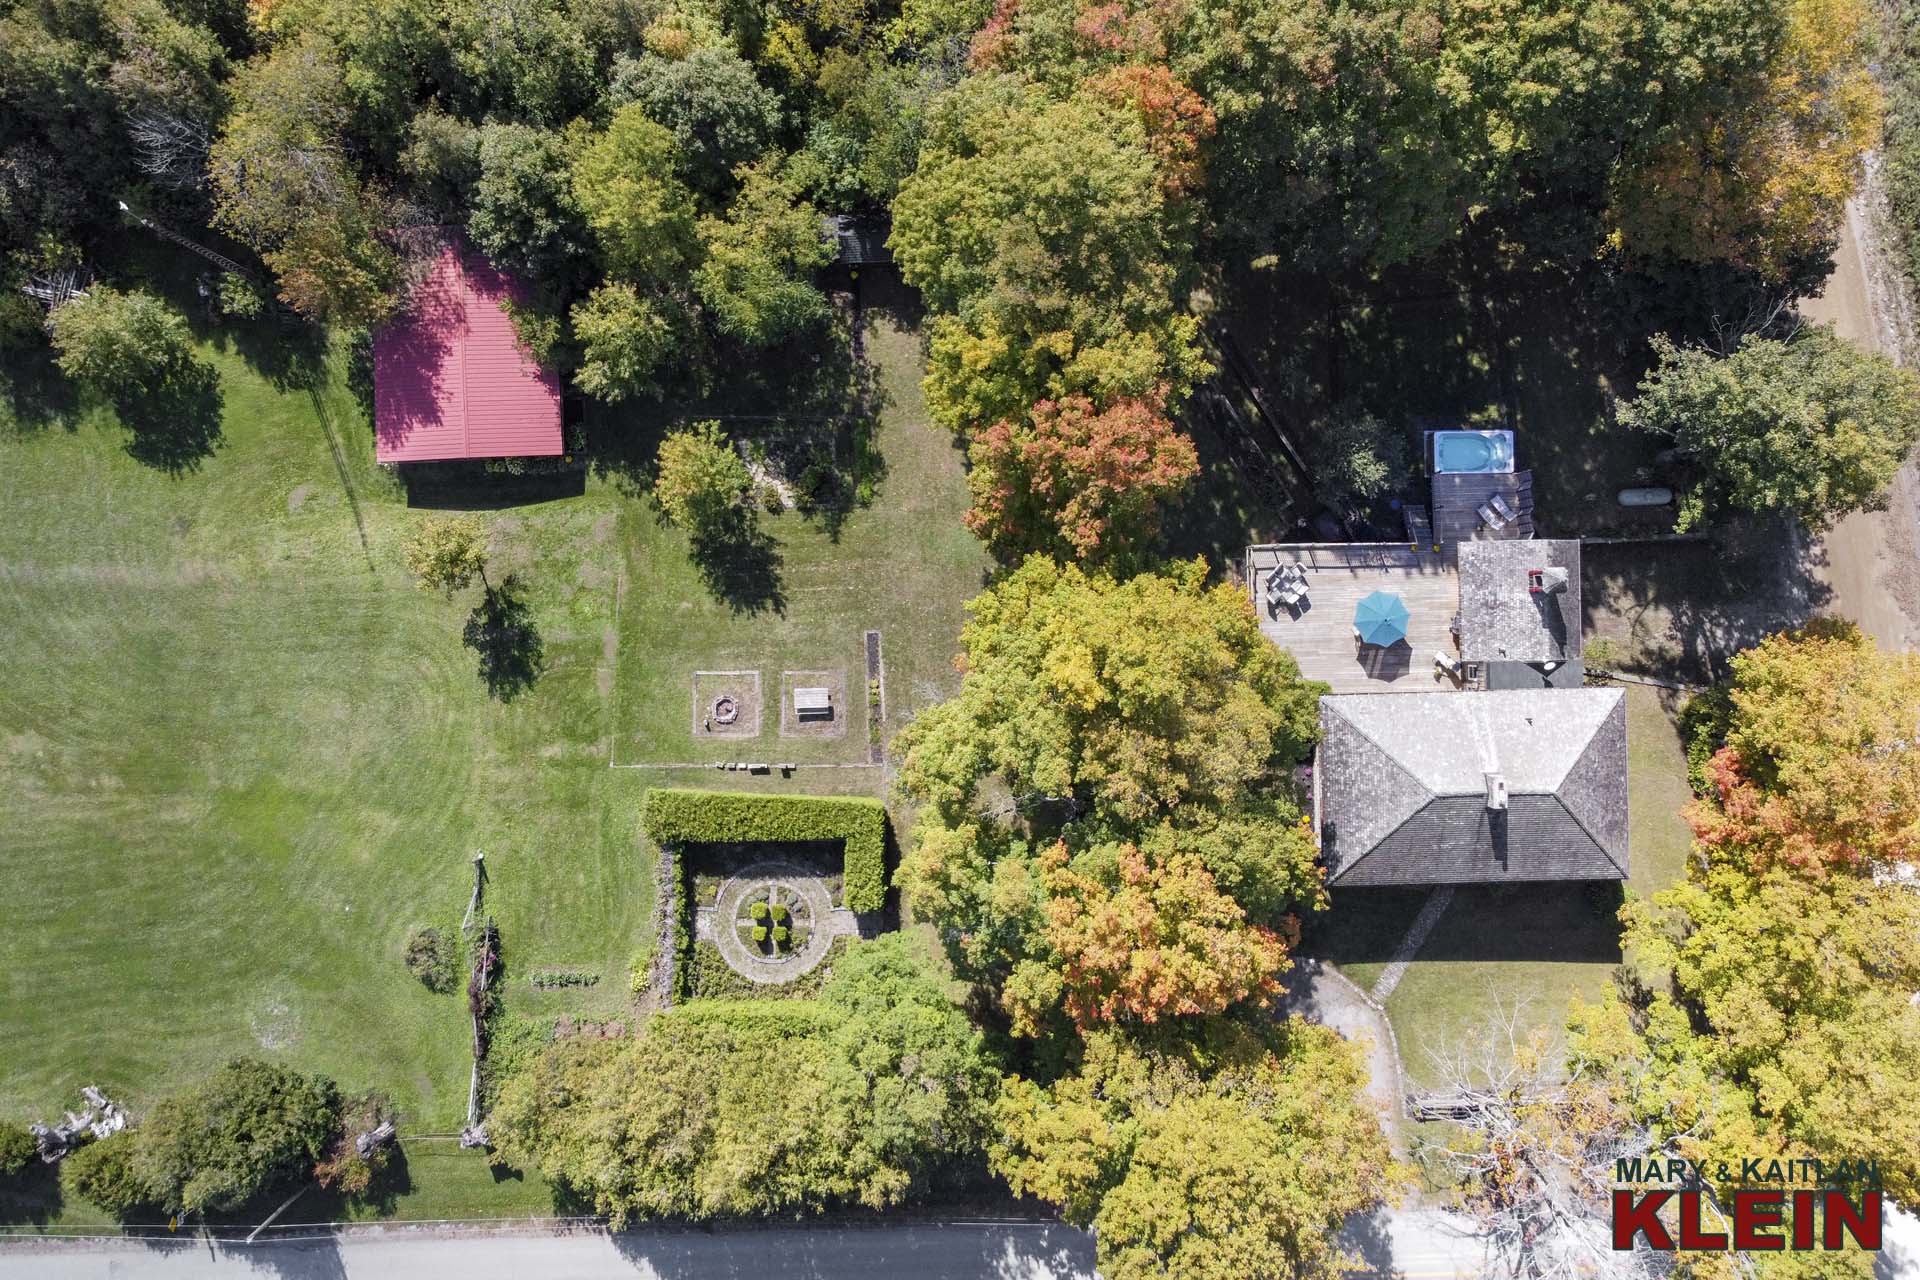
(678, 816)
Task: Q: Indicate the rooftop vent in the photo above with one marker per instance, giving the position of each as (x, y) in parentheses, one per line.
(1546, 581)
(1496, 791)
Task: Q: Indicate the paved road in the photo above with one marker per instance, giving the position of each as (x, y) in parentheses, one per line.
(1400, 1245)
(1003, 1252)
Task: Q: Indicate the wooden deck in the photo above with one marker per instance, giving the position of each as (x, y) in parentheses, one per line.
(1318, 632)
(1457, 498)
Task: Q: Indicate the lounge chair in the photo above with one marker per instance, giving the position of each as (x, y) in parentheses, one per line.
(1499, 504)
(1491, 518)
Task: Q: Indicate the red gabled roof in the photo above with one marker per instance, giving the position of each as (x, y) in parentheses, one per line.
(450, 380)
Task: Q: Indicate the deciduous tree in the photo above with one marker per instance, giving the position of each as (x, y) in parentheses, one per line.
(448, 554)
(721, 117)
(626, 338)
(1121, 699)
(641, 213)
(120, 344)
(249, 1126)
(524, 213)
(1075, 481)
(759, 259)
(750, 1107)
(1189, 1158)
(701, 478)
(1812, 426)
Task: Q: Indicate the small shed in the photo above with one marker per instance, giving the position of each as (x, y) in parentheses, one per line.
(859, 241)
(813, 703)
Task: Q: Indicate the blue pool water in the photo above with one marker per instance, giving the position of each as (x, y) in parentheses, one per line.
(1466, 451)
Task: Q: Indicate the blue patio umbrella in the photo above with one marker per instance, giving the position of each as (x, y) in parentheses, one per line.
(1381, 619)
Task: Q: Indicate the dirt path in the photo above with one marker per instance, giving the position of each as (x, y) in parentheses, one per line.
(1870, 560)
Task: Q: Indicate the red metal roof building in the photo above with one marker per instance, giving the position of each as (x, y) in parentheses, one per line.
(450, 379)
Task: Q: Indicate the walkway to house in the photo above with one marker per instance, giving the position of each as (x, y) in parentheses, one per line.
(1318, 992)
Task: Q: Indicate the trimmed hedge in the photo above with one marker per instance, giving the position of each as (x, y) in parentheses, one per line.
(676, 816)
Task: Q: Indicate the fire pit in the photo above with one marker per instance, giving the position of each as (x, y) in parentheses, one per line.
(725, 710)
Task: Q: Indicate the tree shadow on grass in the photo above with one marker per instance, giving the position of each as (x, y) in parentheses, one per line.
(501, 631)
(34, 1196)
(740, 564)
(175, 425)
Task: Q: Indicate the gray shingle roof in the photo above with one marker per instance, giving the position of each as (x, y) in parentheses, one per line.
(1400, 788)
(1500, 620)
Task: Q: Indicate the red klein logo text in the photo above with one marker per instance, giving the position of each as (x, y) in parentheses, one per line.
(1759, 1220)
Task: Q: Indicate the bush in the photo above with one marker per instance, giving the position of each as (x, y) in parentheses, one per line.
(758, 911)
(675, 816)
(759, 933)
(103, 1174)
(430, 959)
(1356, 456)
(547, 979)
(17, 1150)
(640, 970)
(248, 1127)
(772, 501)
(780, 914)
(343, 1168)
(780, 935)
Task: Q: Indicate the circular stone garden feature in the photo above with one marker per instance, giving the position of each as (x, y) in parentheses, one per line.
(773, 921)
(725, 710)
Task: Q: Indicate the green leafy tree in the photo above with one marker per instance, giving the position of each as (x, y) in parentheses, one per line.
(523, 212)
(448, 554)
(1356, 455)
(103, 1174)
(17, 1150)
(520, 59)
(1776, 995)
(721, 116)
(701, 478)
(751, 1107)
(1044, 232)
(626, 338)
(120, 344)
(758, 259)
(625, 182)
(1240, 1151)
(248, 1127)
(1812, 426)
(1125, 700)
(283, 183)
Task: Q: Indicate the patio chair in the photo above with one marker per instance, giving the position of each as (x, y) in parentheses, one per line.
(1499, 504)
(1491, 518)
(1448, 663)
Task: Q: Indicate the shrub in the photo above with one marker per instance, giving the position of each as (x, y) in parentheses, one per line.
(103, 1174)
(343, 1168)
(1356, 455)
(17, 1150)
(779, 914)
(675, 816)
(430, 959)
(250, 1125)
(780, 935)
(758, 911)
(772, 501)
(640, 970)
(547, 979)
(759, 933)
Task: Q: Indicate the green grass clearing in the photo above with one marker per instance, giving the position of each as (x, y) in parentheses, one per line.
(242, 756)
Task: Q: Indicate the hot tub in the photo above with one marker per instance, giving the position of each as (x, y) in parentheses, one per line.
(1458, 452)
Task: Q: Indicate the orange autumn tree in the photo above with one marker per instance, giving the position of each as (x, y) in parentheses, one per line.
(1077, 482)
(1154, 938)
(1820, 767)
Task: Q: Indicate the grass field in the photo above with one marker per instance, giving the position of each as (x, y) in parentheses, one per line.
(1531, 946)
(242, 755)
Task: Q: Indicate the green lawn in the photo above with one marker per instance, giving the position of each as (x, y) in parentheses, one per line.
(242, 755)
(1535, 946)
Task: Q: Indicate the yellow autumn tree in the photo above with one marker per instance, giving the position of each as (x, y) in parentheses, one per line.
(1759, 176)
